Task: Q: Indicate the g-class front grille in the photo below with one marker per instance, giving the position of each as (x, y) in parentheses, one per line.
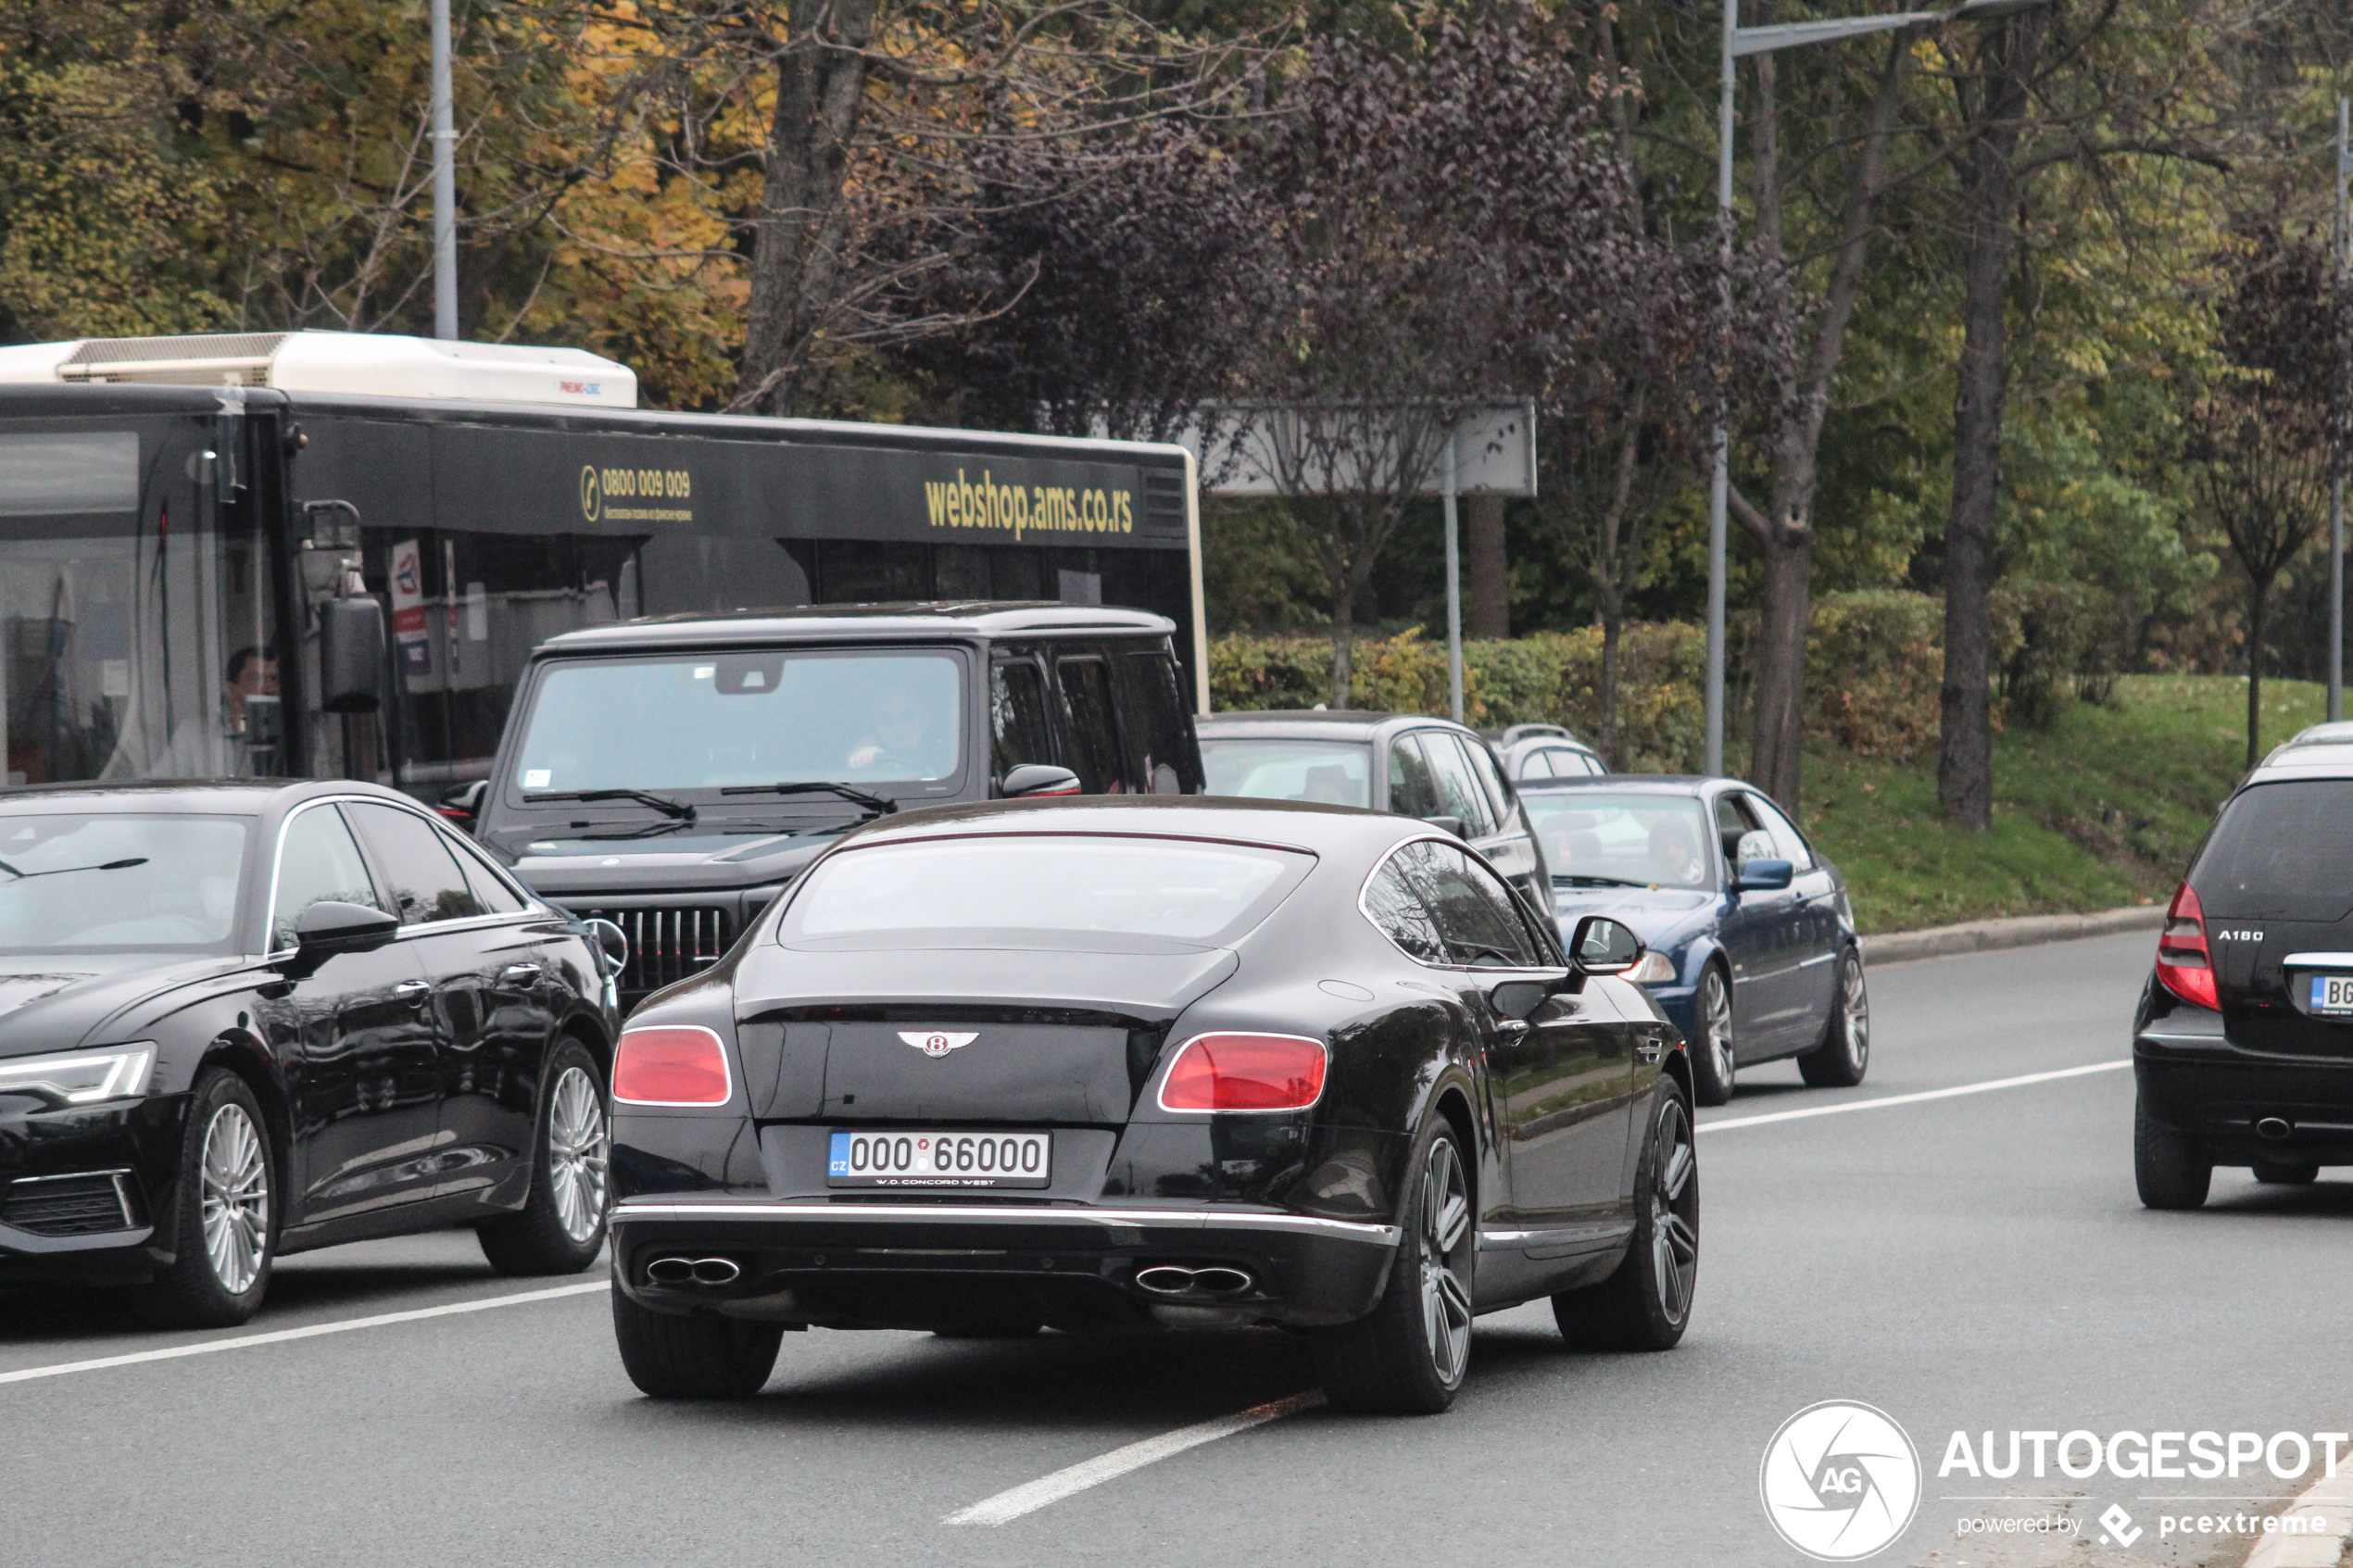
(668, 944)
(69, 1205)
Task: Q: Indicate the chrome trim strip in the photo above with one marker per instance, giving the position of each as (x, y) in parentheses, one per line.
(2304, 961)
(1554, 1235)
(72, 1176)
(923, 1213)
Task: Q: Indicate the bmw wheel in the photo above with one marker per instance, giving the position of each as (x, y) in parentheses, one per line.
(1712, 1066)
(561, 1227)
(1845, 1055)
(1647, 1303)
(227, 1214)
(1408, 1358)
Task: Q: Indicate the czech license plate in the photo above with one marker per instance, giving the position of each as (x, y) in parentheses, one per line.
(2332, 993)
(939, 1159)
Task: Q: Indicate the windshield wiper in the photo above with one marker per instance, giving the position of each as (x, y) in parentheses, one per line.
(61, 871)
(643, 829)
(881, 806)
(1602, 881)
(676, 809)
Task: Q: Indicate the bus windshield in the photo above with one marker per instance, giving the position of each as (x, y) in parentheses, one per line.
(134, 630)
(763, 717)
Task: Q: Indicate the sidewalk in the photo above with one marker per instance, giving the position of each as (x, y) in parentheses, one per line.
(2022, 931)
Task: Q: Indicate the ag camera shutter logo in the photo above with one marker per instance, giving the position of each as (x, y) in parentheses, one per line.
(1841, 1480)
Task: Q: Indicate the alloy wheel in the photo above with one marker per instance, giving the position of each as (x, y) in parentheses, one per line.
(1716, 1003)
(1857, 1008)
(235, 1205)
(1675, 1211)
(576, 1154)
(1446, 1234)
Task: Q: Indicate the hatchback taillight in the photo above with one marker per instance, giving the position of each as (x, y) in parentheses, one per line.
(671, 1065)
(2184, 966)
(1245, 1072)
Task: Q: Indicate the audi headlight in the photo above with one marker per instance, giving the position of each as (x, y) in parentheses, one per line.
(82, 1077)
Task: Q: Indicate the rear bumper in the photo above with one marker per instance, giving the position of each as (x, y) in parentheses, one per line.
(2194, 1079)
(945, 1265)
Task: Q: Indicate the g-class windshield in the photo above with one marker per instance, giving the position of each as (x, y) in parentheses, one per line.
(732, 720)
(136, 612)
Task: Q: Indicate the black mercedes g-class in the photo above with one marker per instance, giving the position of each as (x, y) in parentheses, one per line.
(672, 775)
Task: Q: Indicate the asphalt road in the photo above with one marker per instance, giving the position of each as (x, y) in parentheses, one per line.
(1970, 1262)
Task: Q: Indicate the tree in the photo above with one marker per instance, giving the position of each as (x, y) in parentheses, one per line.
(1438, 223)
(2264, 425)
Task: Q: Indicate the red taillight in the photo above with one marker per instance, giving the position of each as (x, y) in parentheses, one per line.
(1245, 1072)
(670, 1066)
(2184, 964)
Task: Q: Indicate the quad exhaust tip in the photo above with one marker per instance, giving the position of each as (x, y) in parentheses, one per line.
(1174, 1279)
(694, 1271)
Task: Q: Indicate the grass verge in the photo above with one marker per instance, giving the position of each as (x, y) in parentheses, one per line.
(2103, 809)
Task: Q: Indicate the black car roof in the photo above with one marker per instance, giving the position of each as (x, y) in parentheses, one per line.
(862, 622)
(1288, 824)
(194, 797)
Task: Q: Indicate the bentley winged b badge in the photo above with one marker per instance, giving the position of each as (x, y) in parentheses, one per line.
(932, 1042)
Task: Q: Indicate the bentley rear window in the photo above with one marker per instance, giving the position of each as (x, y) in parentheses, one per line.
(2281, 851)
(995, 888)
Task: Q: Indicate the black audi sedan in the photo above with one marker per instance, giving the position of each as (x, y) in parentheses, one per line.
(1155, 1063)
(2243, 1042)
(244, 1018)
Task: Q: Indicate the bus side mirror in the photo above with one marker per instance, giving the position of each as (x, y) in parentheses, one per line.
(351, 656)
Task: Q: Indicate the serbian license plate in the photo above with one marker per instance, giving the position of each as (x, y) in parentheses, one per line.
(939, 1159)
(2332, 993)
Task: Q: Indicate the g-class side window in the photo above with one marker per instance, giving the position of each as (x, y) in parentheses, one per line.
(1159, 725)
(1092, 747)
(1020, 730)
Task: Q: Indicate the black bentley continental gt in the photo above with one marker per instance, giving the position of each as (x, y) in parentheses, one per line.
(1154, 1062)
(244, 1018)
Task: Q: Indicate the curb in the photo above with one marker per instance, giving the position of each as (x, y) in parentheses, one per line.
(2022, 931)
(2327, 1512)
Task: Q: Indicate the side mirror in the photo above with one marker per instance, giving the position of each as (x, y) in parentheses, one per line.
(329, 926)
(351, 656)
(1446, 824)
(613, 944)
(1763, 876)
(463, 804)
(1033, 778)
(1602, 946)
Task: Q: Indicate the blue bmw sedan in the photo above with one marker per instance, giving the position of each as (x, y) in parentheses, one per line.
(1715, 876)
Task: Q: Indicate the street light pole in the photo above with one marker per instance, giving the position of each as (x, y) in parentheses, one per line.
(445, 182)
(2336, 444)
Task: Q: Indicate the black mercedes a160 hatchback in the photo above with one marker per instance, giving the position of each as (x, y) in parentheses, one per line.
(2243, 1047)
(1154, 1062)
(247, 1018)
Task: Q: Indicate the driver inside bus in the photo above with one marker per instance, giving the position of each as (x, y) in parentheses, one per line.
(897, 735)
(222, 746)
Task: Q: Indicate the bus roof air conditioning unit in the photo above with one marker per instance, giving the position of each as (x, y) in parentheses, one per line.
(377, 365)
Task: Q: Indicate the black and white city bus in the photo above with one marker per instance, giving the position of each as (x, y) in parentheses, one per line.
(330, 554)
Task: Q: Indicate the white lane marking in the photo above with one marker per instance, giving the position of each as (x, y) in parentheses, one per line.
(279, 1337)
(1886, 1100)
(1031, 1496)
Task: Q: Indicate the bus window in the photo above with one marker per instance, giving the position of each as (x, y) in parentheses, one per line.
(1093, 751)
(135, 631)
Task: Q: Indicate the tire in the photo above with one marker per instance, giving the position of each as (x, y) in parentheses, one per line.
(1646, 1304)
(697, 1357)
(2273, 1172)
(1713, 1069)
(228, 1208)
(561, 1227)
(1845, 1055)
(2169, 1168)
(1408, 1358)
